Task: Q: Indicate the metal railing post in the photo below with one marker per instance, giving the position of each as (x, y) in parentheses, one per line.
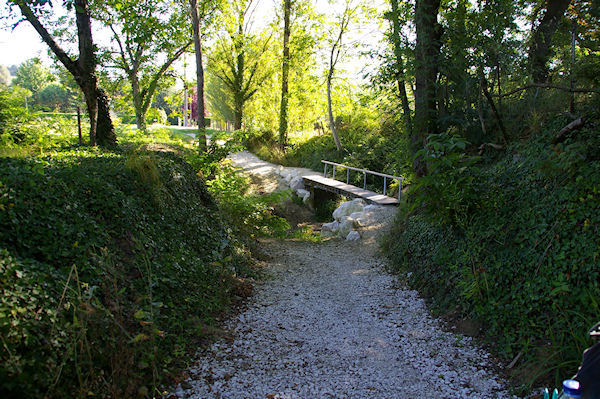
(364, 172)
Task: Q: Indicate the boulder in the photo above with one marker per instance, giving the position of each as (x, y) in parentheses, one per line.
(360, 218)
(346, 226)
(332, 227)
(284, 173)
(296, 183)
(346, 209)
(304, 194)
(371, 208)
(353, 236)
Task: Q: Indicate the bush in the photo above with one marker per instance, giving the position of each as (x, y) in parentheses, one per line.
(156, 115)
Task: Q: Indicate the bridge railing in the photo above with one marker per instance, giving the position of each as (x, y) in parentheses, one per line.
(365, 172)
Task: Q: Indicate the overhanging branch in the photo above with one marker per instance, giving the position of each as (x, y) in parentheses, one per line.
(549, 86)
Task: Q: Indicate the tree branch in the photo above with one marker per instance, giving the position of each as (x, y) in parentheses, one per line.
(549, 86)
(121, 50)
(562, 135)
(154, 82)
(62, 56)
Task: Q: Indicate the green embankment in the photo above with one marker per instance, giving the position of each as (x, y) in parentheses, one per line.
(112, 266)
(513, 242)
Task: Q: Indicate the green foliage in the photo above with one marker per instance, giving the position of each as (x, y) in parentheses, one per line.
(156, 115)
(521, 253)
(366, 145)
(28, 314)
(447, 191)
(251, 215)
(55, 97)
(324, 210)
(100, 282)
(22, 131)
(12, 108)
(33, 75)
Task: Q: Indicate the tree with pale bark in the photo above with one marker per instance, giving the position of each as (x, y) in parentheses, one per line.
(337, 50)
(143, 32)
(237, 59)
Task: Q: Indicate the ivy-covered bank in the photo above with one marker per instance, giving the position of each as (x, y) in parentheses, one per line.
(113, 265)
(512, 241)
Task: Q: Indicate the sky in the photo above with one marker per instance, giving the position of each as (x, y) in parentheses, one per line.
(22, 43)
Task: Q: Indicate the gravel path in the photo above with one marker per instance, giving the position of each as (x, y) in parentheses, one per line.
(329, 322)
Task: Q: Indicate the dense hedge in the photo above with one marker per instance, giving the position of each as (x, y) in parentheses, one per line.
(514, 243)
(109, 263)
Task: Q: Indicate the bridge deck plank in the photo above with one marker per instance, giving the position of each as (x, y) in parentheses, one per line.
(348, 190)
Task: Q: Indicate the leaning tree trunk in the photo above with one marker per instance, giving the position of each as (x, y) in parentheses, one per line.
(107, 137)
(427, 52)
(540, 49)
(83, 70)
(101, 128)
(202, 144)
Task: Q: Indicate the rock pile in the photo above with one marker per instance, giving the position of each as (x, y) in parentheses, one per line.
(349, 218)
(293, 178)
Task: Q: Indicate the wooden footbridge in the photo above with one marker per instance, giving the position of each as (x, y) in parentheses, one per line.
(318, 184)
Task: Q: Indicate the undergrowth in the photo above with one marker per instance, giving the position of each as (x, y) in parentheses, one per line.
(115, 265)
(512, 242)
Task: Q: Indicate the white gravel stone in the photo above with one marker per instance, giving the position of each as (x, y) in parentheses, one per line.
(331, 323)
(353, 236)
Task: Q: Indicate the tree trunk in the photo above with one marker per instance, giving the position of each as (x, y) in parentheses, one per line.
(238, 96)
(427, 51)
(106, 136)
(199, 76)
(283, 115)
(138, 102)
(540, 49)
(336, 139)
(400, 77)
(83, 70)
(238, 111)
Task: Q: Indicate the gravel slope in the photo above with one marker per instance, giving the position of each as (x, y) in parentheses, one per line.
(331, 323)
